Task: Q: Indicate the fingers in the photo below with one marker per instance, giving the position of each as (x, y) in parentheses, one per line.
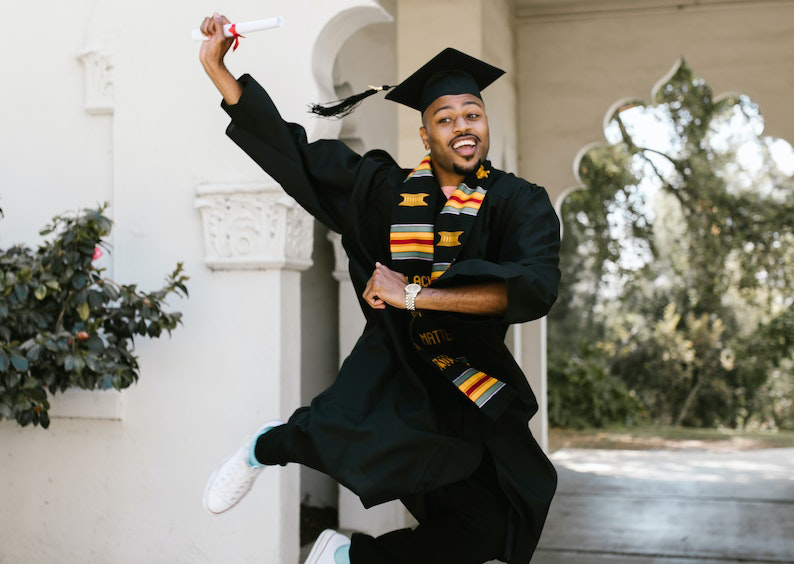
(370, 296)
(384, 287)
(219, 22)
(213, 25)
(370, 293)
(216, 45)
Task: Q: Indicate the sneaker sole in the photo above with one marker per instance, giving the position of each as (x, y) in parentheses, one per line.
(319, 546)
(267, 426)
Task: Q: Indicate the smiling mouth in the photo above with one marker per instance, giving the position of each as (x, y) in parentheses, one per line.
(465, 145)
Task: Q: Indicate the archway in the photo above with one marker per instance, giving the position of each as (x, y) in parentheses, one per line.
(677, 258)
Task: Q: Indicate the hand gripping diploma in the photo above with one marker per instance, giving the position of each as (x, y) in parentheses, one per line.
(238, 29)
(212, 53)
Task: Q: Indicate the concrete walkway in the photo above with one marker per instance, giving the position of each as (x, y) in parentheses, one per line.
(689, 506)
(671, 507)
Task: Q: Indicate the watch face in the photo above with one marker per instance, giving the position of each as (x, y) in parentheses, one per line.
(413, 288)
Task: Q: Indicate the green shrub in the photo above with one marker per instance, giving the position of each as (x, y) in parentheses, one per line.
(63, 325)
(583, 394)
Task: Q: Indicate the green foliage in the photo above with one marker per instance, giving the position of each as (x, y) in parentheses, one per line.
(678, 363)
(583, 393)
(678, 259)
(63, 325)
(765, 374)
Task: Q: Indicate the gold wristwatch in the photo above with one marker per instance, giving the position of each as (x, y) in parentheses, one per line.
(411, 290)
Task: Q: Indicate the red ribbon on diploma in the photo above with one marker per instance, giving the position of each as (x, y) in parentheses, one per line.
(237, 36)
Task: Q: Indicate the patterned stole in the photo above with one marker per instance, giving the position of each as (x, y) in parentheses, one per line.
(424, 243)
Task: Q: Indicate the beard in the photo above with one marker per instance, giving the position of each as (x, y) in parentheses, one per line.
(468, 169)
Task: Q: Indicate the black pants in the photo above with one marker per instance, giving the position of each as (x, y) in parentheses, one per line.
(462, 523)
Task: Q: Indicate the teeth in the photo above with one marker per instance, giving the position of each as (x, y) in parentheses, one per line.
(463, 142)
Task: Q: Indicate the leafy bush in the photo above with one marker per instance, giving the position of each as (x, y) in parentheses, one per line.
(63, 325)
(584, 394)
(681, 369)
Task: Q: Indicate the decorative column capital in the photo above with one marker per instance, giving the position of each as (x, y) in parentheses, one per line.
(254, 227)
(98, 68)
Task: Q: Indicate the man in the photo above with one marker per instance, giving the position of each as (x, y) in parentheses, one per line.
(429, 408)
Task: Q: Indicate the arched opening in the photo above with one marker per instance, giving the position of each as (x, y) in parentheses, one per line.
(679, 263)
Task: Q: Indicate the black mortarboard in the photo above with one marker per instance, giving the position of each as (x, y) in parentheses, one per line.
(449, 72)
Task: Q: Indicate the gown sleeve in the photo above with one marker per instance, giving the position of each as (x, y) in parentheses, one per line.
(321, 176)
(526, 256)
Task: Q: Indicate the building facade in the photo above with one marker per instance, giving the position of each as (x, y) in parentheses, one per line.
(108, 102)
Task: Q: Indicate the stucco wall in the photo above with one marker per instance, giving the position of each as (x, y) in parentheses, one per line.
(578, 58)
(127, 488)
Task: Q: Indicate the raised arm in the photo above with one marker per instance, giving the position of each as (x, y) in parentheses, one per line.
(212, 53)
(321, 175)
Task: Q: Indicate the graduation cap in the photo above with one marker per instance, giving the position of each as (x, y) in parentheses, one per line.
(449, 72)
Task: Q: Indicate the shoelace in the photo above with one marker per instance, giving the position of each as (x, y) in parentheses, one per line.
(240, 474)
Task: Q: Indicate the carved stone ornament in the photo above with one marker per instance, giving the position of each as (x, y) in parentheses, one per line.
(254, 227)
(98, 68)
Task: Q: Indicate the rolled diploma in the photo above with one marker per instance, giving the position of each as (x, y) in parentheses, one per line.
(244, 27)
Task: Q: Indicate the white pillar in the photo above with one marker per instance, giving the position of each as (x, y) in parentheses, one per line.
(259, 228)
(528, 345)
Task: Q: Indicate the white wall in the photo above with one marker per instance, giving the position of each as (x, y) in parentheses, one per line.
(578, 57)
(128, 488)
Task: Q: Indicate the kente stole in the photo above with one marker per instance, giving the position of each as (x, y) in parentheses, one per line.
(423, 246)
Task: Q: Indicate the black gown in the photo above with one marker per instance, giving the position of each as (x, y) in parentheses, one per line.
(390, 426)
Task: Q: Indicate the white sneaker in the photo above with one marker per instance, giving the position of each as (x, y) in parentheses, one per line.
(235, 476)
(325, 547)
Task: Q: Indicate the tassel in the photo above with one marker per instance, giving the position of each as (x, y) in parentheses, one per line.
(341, 108)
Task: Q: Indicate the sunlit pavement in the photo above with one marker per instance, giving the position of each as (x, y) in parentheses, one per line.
(671, 507)
(688, 506)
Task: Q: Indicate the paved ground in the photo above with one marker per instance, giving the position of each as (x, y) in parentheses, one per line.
(688, 506)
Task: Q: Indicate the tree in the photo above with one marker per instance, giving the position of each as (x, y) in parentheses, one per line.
(678, 254)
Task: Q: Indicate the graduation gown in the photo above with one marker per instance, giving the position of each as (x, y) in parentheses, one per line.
(390, 426)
